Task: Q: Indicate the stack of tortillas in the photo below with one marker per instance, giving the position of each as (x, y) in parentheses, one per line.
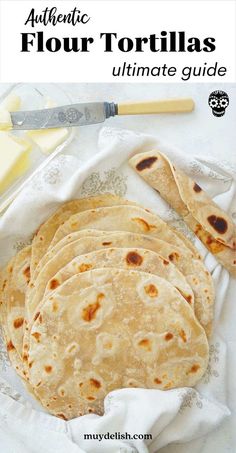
(108, 296)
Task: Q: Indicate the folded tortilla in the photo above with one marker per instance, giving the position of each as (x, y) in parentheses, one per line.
(208, 221)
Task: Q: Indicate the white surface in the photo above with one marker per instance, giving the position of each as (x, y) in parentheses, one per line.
(197, 133)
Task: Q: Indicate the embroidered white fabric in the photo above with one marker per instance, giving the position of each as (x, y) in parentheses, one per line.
(171, 417)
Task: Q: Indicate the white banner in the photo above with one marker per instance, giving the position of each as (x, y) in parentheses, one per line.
(114, 41)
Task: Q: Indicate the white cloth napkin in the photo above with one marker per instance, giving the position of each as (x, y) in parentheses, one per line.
(177, 415)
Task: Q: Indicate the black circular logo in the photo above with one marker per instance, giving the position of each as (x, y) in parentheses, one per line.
(218, 101)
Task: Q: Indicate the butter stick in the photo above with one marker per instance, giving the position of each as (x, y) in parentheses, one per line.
(14, 159)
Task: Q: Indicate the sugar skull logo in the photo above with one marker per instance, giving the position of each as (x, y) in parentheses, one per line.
(218, 102)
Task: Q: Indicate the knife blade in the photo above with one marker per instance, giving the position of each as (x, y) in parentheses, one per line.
(83, 114)
(65, 116)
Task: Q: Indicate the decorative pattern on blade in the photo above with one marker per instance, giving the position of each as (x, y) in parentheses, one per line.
(66, 116)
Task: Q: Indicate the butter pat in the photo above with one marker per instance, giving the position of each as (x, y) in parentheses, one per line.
(48, 139)
(14, 159)
(5, 120)
(11, 103)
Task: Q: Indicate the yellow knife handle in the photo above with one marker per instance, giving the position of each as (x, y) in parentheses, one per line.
(164, 106)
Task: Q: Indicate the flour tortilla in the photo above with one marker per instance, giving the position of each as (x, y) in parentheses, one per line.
(5, 288)
(78, 235)
(122, 328)
(53, 250)
(124, 258)
(13, 284)
(127, 218)
(20, 277)
(210, 223)
(194, 270)
(3, 282)
(47, 230)
(124, 218)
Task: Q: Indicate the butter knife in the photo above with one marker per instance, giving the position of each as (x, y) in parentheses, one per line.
(83, 114)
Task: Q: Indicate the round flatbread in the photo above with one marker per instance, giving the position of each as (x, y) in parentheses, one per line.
(124, 218)
(124, 258)
(53, 250)
(194, 270)
(184, 261)
(5, 289)
(19, 280)
(122, 328)
(46, 231)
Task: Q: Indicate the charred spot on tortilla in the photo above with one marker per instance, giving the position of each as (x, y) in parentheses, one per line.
(95, 383)
(157, 381)
(10, 346)
(4, 285)
(173, 256)
(218, 223)
(54, 283)
(197, 188)
(37, 336)
(85, 267)
(146, 163)
(169, 336)
(36, 315)
(62, 416)
(151, 290)
(143, 224)
(133, 258)
(26, 273)
(187, 297)
(18, 322)
(194, 368)
(90, 312)
(183, 335)
(212, 244)
(145, 343)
